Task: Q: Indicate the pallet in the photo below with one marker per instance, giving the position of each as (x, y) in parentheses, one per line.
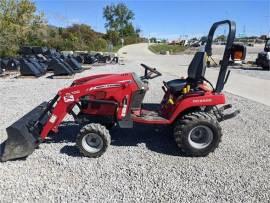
(12, 71)
(4, 75)
(61, 76)
(109, 63)
(99, 64)
(25, 77)
(87, 67)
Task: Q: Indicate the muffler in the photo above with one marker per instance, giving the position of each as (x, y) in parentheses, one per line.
(24, 134)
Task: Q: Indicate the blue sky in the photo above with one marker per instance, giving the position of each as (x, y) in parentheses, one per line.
(165, 19)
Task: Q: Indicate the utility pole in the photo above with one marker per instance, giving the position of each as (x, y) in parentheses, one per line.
(244, 30)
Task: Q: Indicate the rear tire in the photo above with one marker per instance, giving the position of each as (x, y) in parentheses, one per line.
(197, 133)
(93, 140)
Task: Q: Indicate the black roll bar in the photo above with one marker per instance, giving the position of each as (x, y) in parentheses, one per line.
(226, 56)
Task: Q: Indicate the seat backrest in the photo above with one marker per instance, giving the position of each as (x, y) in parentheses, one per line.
(196, 69)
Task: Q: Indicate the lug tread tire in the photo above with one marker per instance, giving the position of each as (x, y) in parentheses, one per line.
(97, 129)
(186, 123)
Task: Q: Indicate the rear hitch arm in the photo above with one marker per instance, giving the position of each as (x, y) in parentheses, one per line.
(221, 116)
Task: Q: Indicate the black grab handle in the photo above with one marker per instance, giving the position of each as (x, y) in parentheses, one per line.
(230, 38)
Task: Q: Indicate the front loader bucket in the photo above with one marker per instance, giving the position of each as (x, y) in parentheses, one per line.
(24, 135)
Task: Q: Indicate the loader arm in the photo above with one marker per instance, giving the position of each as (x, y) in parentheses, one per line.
(66, 99)
(57, 116)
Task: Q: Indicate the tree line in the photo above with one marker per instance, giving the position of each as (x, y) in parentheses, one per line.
(22, 25)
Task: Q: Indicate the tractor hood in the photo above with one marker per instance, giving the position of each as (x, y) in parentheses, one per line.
(109, 79)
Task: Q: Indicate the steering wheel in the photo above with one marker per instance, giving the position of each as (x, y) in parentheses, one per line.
(150, 73)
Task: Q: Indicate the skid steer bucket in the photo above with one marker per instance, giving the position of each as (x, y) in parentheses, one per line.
(60, 68)
(74, 64)
(29, 69)
(24, 134)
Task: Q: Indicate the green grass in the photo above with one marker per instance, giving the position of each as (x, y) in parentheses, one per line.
(162, 48)
(115, 49)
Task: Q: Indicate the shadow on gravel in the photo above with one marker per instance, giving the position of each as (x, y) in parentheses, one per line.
(68, 132)
(248, 68)
(239, 68)
(156, 138)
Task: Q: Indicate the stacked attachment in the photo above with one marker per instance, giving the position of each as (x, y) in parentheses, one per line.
(29, 69)
(4, 63)
(30, 64)
(36, 61)
(74, 64)
(60, 67)
(13, 65)
(97, 58)
(9, 64)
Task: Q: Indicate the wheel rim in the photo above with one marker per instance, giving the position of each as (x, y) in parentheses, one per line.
(92, 143)
(200, 137)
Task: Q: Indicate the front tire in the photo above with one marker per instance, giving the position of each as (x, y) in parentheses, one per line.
(93, 140)
(197, 133)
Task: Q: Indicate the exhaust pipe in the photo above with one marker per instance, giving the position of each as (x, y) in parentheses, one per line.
(24, 134)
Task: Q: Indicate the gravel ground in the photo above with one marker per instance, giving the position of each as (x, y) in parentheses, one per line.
(143, 164)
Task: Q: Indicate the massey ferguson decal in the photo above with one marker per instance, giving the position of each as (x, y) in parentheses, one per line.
(104, 86)
(69, 98)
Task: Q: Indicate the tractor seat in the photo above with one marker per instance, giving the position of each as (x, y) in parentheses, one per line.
(176, 85)
(196, 72)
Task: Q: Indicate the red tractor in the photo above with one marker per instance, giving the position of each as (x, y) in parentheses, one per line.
(189, 105)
